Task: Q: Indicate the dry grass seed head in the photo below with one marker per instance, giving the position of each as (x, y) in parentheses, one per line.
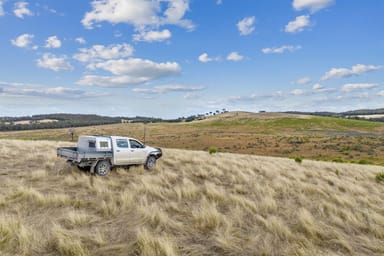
(276, 226)
(66, 243)
(78, 218)
(48, 200)
(155, 215)
(148, 244)
(207, 217)
(187, 190)
(15, 237)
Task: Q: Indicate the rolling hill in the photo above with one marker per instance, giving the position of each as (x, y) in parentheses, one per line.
(192, 204)
(269, 134)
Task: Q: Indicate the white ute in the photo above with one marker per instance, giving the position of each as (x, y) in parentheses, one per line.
(100, 153)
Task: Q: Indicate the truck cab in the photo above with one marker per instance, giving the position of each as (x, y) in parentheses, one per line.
(129, 151)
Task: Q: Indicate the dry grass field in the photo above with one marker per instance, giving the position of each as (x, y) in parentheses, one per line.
(193, 203)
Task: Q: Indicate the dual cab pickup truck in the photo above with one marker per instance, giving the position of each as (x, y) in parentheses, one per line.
(100, 153)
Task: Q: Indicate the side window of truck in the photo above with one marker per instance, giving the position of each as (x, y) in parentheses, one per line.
(91, 144)
(104, 144)
(121, 143)
(135, 144)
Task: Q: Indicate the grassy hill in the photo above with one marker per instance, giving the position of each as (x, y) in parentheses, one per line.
(269, 134)
(192, 204)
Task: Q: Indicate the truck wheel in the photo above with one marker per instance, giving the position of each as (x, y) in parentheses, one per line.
(150, 164)
(103, 168)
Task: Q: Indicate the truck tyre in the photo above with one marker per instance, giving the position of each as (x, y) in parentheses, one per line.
(103, 168)
(150, 164)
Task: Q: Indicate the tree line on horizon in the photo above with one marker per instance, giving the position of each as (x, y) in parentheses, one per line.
(80, 120)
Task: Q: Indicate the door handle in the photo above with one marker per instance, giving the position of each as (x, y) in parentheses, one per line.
(117, 150)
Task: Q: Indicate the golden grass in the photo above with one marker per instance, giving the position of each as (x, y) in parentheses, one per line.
(193, 203)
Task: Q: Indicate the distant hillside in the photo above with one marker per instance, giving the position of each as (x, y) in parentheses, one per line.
(363, 114)
(51, 121)
(62, 120)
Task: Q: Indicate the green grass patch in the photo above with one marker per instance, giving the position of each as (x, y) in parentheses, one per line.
(380, 177)
(212, 150)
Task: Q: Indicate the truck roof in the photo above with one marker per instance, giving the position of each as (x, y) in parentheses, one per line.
(106, 136)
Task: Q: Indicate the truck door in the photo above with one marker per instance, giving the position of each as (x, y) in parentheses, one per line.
(138, 152)
(122, 153)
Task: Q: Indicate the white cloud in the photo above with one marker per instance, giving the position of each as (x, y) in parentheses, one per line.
(302, 81)
(254, 97)
(297, 92)
(139, 13)
(246, 26)
(138, 68)
(298, 25)
(205, 58)
(101, 52)
(312, 5)
(281, 49)
(152, 36)
(357, 69)
(52, 42)
(317, 87)
(1, 8)
(112, 81)
(50, 61)
(23, 41)
(168, 88)
(219, 2)
(192, 96)
(235, 56)
(51, 92)
(380, 93)
(28, 89)
(358, 86)
(80, 40)
(21, 9)
(129, 72)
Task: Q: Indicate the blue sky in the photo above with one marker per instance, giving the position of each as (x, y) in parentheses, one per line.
(171, 58)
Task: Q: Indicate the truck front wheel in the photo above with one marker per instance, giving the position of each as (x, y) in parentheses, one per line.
(103, 168)
(150, 164)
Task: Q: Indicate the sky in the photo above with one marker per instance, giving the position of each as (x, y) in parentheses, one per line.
(173, 58)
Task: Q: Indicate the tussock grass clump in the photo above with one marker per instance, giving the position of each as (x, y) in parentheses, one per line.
(78, 218)
(39, 174)
(380, 177)
(207, 217)
(15, 237)
(67, 244)
(49, 200)
(148, 244)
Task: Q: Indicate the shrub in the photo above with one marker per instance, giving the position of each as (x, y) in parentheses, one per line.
(380, 177)
(363, 161)
(298, 159)
(338, 160)
(212, 150)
